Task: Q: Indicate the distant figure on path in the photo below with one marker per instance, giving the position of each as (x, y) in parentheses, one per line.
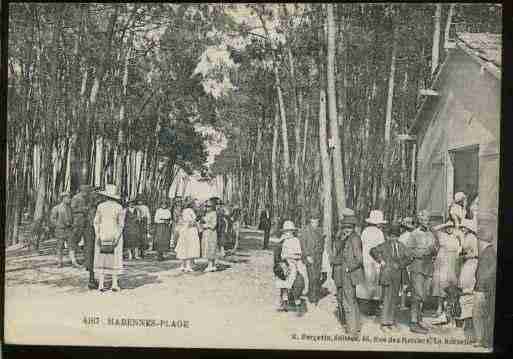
(162, 229)
(61, 219)
(108, 227)
(132, 231)
(265, 225)
(145, 223)
(221, 227)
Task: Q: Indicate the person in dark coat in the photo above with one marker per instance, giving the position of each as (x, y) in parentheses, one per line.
(61, 220)
(265, 225)
(132, 230)
(483, 310)
(221, 227)
(90, 240)
(393, 257)
(82, 226)
(423, 246)
(162, 222)
(145, 223)
(347, 264)
(312, 245)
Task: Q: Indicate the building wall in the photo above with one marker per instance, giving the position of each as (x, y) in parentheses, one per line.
(466, 113)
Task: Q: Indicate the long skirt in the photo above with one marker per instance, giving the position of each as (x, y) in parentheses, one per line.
(162, 237)
(132, 236)
(445, 273)
(209, 244)
(109, 263)
(188, 246)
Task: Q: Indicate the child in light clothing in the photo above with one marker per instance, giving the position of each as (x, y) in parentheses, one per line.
(291, 253)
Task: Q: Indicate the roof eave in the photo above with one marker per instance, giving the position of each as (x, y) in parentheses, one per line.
(487, 65)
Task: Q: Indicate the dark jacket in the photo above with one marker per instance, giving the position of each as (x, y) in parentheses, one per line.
(221, 223)
(312, 243)
(347, 260)
(486, 268)
(395, 263)
(265, 221)
(60, 216)
(423, 246)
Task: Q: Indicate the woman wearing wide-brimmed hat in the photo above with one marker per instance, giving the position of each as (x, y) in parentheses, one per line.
(372, 236)
(108, 226)
(162, 229)
(188, 246)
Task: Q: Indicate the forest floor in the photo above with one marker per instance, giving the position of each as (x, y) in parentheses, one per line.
(238, 300)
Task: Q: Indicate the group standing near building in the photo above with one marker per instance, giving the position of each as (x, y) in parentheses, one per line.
(382, 266)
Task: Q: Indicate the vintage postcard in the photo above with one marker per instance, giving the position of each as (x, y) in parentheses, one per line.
(259, 176)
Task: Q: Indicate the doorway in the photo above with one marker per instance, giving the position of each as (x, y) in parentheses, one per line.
(465, 163)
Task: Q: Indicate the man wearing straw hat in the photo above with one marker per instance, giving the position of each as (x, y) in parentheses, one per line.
(347, 263)
(424, 249)
(62, 219)
(80, 205)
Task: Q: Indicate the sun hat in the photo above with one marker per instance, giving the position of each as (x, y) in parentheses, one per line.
(111, 190)
(459, 197)
(376, 217)
(288, 226)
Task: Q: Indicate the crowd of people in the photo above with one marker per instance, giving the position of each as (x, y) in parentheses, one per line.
(385, 266)
(388, 265)
(112, 233)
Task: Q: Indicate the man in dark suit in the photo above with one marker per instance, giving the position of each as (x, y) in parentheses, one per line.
(347, 263)
(393, 257)
(423, 247)
(312, 246)
(265, 225)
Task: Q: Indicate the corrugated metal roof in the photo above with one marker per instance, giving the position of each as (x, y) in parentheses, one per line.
(485, 45)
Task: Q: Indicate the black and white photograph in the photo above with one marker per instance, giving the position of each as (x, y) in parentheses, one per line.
(306, 176)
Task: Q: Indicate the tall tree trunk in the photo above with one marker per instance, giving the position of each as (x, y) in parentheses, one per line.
(333, 118)
(448, 24)
(388, 122)
(122, 141)
(274, 165)
(435, 52)
(326, 170)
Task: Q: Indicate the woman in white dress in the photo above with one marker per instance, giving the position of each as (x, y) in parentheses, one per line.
(188, 246)
(371, 236)
(108, 227)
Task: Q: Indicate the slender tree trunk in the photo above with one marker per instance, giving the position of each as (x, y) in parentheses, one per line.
(435, 52)
(448, 24)
(326, 170)
(274, 165)
(333, 118)
(388, 122)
